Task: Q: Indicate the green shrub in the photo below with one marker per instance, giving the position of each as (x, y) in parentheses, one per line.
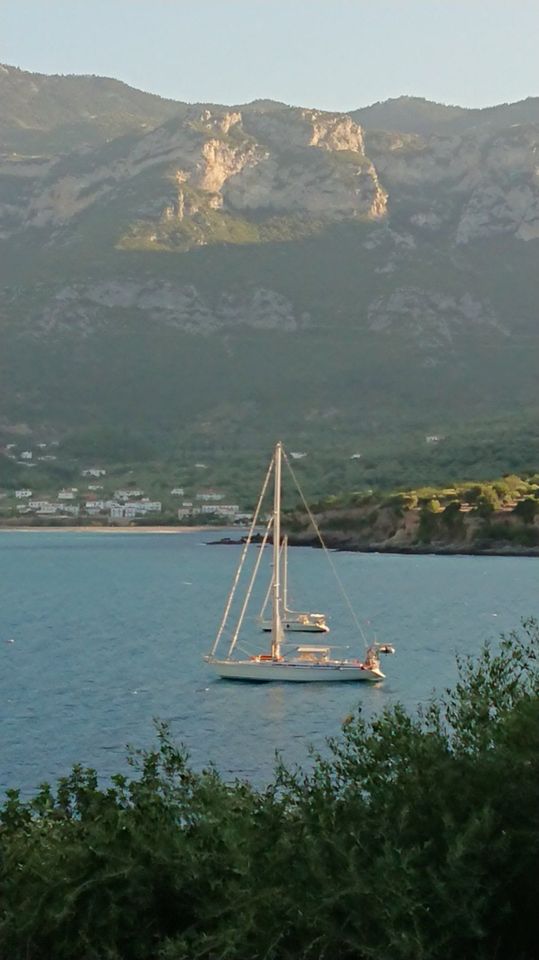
(416, 837)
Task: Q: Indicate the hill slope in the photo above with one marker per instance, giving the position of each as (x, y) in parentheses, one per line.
(217, 276)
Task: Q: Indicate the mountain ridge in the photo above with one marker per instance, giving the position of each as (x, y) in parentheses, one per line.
(228, 273)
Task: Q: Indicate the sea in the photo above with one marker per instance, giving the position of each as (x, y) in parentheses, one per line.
(103, 633)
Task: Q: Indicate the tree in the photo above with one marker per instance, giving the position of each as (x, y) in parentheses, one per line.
(416, 836)
(452, 515)
(526, 509)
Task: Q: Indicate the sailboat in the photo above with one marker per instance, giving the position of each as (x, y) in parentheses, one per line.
(304, 663)
(291, 620)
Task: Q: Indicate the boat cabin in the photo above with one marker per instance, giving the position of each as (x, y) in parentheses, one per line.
(313, 654)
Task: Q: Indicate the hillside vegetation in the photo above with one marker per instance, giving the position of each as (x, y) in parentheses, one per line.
(219, 277)
(501, 516)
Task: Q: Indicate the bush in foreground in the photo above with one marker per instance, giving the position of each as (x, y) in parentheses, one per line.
(417, 838)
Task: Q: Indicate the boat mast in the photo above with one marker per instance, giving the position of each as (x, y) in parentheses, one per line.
(285, 575)
(276, 629)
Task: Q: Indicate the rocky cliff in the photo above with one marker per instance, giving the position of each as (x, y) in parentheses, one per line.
(385, 277)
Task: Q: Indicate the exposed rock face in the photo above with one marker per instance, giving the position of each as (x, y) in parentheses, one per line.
(301, 161)
(488, 184)
(86, 308)
(431, 320)
(142, 246)
(294, 129)
(313, 185)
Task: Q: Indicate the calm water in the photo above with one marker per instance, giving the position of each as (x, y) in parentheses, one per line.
(109, 631)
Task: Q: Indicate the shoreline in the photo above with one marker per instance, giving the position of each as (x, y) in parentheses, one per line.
(338, 545)
(105, 529)
(342, 546)
(421, 551)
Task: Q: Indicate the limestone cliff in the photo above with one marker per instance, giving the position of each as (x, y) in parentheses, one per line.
(299, 161)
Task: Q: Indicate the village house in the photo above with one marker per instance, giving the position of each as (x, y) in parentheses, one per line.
(22, 494)
(209, 495)
(95, 486)
(93, 472)
(177, 491)
(26, 455)
(223, 510)
(126, 494)
(142, 507)
(69, 509)
(228, 510)
(129, 511)
(67, 494)
(99, 506)
(43, 506)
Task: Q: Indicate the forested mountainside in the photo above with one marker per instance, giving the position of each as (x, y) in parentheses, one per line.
(219, 276)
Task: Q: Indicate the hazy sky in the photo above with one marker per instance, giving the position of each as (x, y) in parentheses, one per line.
(335, 54)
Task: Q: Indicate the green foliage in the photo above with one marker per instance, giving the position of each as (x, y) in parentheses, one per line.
(526, 509)
(109, 445)
(451, 516)
(524, 536)
(416, 837)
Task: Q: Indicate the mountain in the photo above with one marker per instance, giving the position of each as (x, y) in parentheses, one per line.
(40, 113)
(216, 276)
(417, 115)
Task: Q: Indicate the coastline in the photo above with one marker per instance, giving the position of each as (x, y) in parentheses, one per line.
(440, 550)
(104, 529)
(341, 545)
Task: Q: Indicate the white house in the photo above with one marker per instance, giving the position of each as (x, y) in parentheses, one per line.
(297, 455)
(210, 495)
(95, 486)
(140, 508)
(71, 509)
(228, 510)
(433, 438)
(223, 510)
(177, 491)
(184, 512)
(93, 472)
(355, 456)
(117, 511)
(95, 506)
(23, 494)
(44, 506)
(66, 495)
(26, 455)
(126, 494)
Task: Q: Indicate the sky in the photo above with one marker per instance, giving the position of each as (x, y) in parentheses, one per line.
(333, 54)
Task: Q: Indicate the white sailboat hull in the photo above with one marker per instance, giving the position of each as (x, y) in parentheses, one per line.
(288, 671)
